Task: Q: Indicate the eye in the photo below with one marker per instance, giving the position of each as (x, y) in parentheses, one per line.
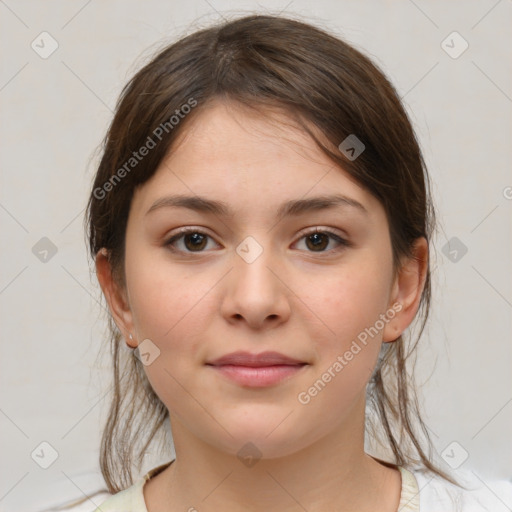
(318, 240)
(193, 240)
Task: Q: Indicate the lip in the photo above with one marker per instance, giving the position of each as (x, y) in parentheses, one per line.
(241, 358)
(256, 370)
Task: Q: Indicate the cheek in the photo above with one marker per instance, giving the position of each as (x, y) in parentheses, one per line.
(350, 306)
(173, 309)
(348, 349)
(353, 300)
(169, 310)
(162, 298)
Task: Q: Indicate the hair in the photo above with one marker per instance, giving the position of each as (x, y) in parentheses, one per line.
(332, 90)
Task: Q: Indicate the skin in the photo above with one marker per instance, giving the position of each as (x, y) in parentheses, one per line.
(304, 302)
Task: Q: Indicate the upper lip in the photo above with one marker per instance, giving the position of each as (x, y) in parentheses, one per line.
(255, 360)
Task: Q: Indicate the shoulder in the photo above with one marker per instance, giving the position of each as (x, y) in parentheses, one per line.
(130, 499)
(476, 494)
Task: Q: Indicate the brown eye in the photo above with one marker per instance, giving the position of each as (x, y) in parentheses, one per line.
(195, 241)
(318, 241)
(192, 241)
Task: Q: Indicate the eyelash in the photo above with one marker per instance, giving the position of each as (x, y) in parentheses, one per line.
(343, 243)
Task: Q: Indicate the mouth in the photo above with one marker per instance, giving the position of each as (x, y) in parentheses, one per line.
(256, 370)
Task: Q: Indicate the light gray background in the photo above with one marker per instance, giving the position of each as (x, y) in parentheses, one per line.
(55, 113)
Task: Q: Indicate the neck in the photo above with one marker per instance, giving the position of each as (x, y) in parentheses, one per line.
(331, 473)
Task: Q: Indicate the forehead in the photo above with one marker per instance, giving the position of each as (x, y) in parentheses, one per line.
(246, 158)
(229, 131)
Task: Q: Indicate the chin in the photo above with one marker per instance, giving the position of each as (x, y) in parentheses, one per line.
(260, 436)
(255, 448)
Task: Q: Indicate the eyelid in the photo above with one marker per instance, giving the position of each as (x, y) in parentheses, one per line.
(191, 229)
(323, 229)
(184, 231)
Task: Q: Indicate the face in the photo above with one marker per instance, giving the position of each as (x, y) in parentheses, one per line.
(314, 284)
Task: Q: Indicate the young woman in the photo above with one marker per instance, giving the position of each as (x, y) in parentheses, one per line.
(260, 222)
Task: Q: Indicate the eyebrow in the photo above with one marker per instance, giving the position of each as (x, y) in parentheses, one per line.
(293, 207)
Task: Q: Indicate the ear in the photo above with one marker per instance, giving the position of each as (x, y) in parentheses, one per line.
(406, 291)
(116, 297)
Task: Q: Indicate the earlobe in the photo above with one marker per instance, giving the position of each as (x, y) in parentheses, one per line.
(115, 296)
(407, 291)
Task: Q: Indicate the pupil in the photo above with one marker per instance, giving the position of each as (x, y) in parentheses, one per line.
(317, 240)
(196, 239)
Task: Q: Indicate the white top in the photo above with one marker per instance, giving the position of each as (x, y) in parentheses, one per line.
(421, 491)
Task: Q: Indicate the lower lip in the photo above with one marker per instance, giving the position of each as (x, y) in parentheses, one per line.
(258, 377)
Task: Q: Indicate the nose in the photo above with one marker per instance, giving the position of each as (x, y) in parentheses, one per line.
(256, 291)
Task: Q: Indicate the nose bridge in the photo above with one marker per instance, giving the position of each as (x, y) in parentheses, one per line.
(255, 292)
(252, 261)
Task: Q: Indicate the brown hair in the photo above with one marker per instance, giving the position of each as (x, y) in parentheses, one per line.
(264, 62)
